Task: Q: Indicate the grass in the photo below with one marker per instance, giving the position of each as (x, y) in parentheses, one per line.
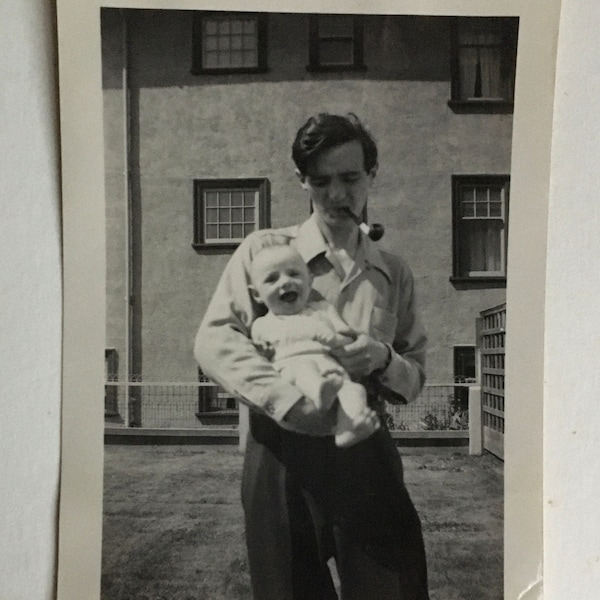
(173, 523)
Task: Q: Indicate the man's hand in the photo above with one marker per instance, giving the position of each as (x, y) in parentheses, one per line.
(305, 417)
(362, 356)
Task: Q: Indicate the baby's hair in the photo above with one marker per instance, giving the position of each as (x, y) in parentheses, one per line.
(270, 249)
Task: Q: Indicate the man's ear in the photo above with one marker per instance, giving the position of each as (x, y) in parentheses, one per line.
(254, 293)
(302, 179)
(373, 171)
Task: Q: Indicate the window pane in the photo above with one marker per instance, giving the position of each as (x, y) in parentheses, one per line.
(211, 215)
(495, 194)
(211, 199)
(210, 27)
(224, 215)
(236, 42)
(224, 231)
(237, 231)
(468, 71)
(336, 52)
(237, 198)
(250, 58)
(481, 209)
(248, 228)
(468, 209)
(249, 26)
(249, 215)
(237, 215)
(495, 209)
(211, 60)
(335, 26)
(210, 43)
(211, 232)
(491, 74)
(249, 43)
(236, 59)
(249, 198)
(481, 194)
(236, 26)
(224, 199)
(224, 27)
(481, 249)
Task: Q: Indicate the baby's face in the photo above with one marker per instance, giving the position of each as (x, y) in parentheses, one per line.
(281, 280)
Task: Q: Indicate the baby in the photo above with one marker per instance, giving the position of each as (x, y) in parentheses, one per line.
(299, 334)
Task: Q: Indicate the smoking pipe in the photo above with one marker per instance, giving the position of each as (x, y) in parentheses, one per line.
(375, 231)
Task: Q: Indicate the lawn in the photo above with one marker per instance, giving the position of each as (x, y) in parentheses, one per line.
(173, 524)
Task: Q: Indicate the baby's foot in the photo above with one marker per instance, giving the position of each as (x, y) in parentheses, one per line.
(329, 389)
(350, 431)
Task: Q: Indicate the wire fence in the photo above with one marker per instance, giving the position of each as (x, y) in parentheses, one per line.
(440, 407)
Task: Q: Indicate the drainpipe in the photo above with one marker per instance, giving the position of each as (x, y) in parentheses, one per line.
(128, 212)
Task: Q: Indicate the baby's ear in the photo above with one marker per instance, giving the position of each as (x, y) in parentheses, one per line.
(254, 293)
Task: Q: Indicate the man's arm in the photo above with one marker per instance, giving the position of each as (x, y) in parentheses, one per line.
(226, 354)
(403, 377)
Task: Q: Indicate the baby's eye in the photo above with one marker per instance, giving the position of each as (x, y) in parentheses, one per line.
(271, 278)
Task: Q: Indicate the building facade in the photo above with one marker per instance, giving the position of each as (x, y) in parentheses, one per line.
(200, 110)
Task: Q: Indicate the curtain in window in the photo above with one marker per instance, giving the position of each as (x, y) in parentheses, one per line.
(482, 246)
(480, 63)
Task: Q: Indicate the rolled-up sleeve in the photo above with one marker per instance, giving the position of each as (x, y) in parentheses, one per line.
(223, 347)
(404, 377)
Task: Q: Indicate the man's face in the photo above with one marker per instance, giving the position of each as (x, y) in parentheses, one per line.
(281, 280)
(336, 181)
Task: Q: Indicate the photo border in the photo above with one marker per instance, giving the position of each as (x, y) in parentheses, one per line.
(84, 270)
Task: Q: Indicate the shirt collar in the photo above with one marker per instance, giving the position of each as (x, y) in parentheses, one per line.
(310, 243)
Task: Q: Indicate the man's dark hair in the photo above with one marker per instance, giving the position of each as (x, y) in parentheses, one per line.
(324, 131)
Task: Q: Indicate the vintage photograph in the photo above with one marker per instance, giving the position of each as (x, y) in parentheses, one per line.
(263, 170)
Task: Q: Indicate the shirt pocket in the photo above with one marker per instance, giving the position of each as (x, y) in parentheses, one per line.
(383, 325)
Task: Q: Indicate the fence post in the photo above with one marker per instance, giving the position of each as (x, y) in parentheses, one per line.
(475, 421)
(243, 426)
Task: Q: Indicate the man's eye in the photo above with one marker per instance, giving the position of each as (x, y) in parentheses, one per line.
(318, 182)
(351, 178)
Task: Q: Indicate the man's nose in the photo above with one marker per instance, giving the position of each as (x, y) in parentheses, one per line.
(337, 190)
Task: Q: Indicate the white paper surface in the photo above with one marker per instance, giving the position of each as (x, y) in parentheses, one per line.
(31, 311)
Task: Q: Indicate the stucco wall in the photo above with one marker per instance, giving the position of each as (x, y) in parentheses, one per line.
(188, 127)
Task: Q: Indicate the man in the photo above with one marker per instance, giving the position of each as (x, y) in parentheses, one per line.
(305, 500)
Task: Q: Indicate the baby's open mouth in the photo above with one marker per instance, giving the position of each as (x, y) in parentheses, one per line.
(289, 296)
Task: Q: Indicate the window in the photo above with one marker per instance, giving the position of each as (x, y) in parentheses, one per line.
(480, 218)
(483, 63)
(111, 374)
(336, 43)
(465, 371)
(229, 42)
(227, 210)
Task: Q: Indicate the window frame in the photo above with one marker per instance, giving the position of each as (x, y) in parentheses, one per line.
(485, 278)
(198, 67)
(314, 62)
(259, 185)
(459, 104)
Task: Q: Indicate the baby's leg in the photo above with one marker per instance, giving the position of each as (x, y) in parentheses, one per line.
(306, 375)
(355, 420)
